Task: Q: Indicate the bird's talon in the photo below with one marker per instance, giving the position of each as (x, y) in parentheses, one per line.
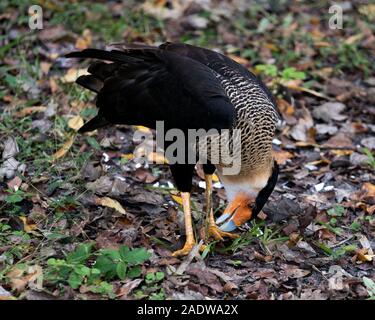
(219, 235)
(187, 249)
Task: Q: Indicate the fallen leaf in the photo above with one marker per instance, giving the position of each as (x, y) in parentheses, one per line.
(64, 149)
(29, 110)
(128, 156)
(31, 276)
(85, 41)
(326, 129)
(110, 203)
(28, 227)
(369, 142)
(354, 38)
(281, 156)
(339, 141)
(302, 131)
(15, 183)
(329, 111)
(177, 199)
(367, 192)
(363, 256)
(52, 33)
(156, 157)
(313, 92)
(127, 288)
(143, 129)
(75, 123)
(72, 74)
(144, 175)
(294, 272)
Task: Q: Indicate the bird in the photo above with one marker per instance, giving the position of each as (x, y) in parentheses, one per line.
(189, 87)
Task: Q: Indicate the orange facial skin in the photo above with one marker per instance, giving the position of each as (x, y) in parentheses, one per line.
(240, 208)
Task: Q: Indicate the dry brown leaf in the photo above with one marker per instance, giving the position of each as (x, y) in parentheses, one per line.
(85, 41)
(72, 74)
(313, 92)
(285, 107)
(75, 123)
(28, 227)
(128, 156)
(156, 157)
(15, 183)
(144, 175)
(32, 276)
(64, 149)
(363, 255)
(339, 141)
(53, 85)
(304, 130)
(342, 152)
(110, 203)
(239, 60)
(281, 156)
(354, 38)
(29, 110)
(177, 199)
(45, 66)
(143, 129)
(368, 190)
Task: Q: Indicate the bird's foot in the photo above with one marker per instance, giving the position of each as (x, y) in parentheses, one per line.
(187, 249)
(219, 235)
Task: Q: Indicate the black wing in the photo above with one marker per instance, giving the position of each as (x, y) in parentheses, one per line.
(141, 86)
(214, 60)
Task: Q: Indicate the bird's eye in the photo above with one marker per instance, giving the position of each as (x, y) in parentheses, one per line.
(252, 205)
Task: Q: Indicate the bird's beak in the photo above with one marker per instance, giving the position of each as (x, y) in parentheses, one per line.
(236, 214)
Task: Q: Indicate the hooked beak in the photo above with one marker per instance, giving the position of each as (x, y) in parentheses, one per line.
(233, 218)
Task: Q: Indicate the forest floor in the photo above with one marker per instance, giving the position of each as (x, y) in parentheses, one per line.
(79, 219)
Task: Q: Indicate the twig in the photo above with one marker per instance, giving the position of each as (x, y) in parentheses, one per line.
(183, 266)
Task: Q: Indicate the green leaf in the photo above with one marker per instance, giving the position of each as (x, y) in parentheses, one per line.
(75, 280)
(111, 253)
(333, 221)
(292, 74)
(80, 255)
(103, 288)
(267, 69)
(13, 198)
(123, 251)
(150, 277)
(121, 270)
(159, 276)
(355, 226)
(95, 271)
(82, 270)
(135, 272)
(135, 256)
(105, 265)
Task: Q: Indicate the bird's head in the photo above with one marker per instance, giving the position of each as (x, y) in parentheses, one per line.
(247, 196)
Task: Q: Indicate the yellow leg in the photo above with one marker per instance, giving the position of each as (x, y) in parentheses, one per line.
(212, 228)
(190, 241)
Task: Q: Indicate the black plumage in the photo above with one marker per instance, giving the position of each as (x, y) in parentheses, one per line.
(189, 87)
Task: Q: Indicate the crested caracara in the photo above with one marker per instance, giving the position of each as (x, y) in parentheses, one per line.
(189, 87)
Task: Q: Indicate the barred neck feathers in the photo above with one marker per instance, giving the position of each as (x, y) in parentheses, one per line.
(256, 117)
